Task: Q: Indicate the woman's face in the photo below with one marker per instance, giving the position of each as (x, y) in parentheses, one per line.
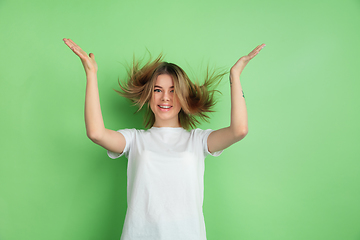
(164, 102)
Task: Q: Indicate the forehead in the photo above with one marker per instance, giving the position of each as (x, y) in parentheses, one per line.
(164, 80)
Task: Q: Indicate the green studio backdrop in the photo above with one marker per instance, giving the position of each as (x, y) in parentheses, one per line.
(294, 176)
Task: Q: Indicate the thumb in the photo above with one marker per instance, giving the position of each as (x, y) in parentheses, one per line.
(92, 56)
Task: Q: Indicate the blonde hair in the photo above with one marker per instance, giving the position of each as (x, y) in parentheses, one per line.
(196, 100)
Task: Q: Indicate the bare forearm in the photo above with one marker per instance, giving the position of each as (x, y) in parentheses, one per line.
(239, 118)
(238, 129)
(93, 117)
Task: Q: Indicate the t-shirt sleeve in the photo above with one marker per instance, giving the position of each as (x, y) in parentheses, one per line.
(129, 136)
(204, 134)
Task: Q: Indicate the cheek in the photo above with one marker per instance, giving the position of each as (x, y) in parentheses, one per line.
(151, 103)
(177, 102)
(152, 99)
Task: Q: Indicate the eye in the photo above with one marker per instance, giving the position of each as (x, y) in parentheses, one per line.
(172, 91)
(157, 90)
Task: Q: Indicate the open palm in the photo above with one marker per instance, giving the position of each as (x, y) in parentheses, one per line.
(88, 61)
(243, 61)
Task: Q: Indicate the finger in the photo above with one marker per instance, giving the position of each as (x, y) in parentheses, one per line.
(255, 49)
(92, 56)
(72, 46)
(254, 52)
(75, 47)
(73, 42)
(258, 48)
(68, 43)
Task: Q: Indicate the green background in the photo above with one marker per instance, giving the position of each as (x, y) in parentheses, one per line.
(296, 174)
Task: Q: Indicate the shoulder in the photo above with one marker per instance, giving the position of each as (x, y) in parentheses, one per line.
(202, 138)
(131, 133)
(131, 130)
(200, 133)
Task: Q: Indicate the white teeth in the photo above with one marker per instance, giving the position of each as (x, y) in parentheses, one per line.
(165, 106)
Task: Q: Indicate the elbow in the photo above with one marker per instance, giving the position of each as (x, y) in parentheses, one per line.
(241, 133)
(93, 136)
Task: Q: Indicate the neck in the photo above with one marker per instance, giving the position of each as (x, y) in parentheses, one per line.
(173, 125)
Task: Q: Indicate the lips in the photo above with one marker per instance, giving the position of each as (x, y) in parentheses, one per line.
(165, 109)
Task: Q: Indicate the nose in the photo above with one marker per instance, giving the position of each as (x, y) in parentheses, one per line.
(165, 96)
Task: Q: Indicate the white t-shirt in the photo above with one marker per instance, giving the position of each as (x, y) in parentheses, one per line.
(165, 183)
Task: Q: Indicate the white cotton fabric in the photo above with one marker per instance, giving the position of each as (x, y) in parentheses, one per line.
(165, 183)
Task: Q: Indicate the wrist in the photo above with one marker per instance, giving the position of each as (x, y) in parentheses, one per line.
(91, 74)
(235, 75)
(236, 71)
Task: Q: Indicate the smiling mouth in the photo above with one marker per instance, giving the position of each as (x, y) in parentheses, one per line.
(165, 108)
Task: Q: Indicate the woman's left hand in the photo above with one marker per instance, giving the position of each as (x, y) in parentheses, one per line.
(241, 63)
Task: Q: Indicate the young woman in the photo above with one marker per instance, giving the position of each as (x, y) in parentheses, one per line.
(165, 162)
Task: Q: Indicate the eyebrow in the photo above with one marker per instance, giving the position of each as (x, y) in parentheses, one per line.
(161, 87)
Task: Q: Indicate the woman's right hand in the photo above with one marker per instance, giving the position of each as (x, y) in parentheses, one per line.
(88, 62)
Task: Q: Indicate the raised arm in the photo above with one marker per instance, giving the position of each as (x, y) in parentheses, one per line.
(95, 129)
(225, 137)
